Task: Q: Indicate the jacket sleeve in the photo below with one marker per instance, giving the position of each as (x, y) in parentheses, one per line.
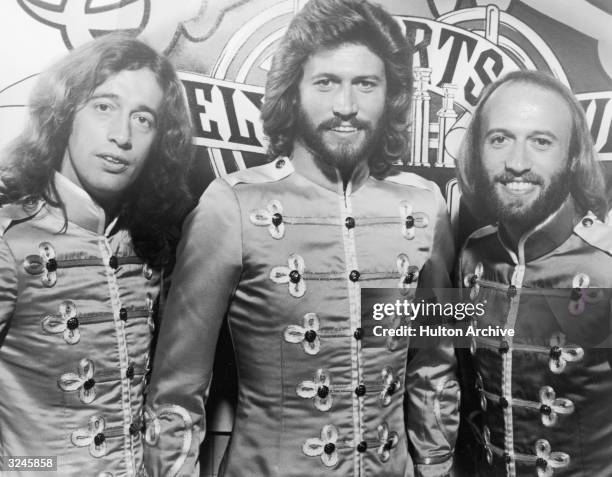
(205, 277)
(8, 288)
(432, 390)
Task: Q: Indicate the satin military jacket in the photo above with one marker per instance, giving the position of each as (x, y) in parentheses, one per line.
(542, 402)
(283, 253)
(75, 330)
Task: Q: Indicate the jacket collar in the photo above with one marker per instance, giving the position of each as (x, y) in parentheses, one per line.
(544, 237)
(81, 209)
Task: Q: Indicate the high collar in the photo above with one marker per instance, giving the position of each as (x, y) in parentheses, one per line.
(81, 209)
(326, 176)
(546, 236)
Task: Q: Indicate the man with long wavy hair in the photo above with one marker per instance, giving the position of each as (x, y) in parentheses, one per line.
(94, 192)
(282, 250)
(542, 402)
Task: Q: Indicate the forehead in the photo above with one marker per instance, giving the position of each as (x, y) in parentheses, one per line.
(138, 87)
(345, 60)
(522, 107)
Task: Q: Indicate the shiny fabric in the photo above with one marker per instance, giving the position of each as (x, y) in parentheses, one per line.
(283, 252)
(542, 398)
(75, 329)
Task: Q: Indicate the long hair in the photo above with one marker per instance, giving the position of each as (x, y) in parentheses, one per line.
(587, 185)
(155, 204)
(323, 25)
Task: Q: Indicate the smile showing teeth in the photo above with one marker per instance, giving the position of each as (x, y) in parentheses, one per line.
(344, 129)
(113, 159)
(519, 186)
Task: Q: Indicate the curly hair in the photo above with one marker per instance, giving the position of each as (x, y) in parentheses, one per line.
(327, 24)
(156, 203)
(587, 185)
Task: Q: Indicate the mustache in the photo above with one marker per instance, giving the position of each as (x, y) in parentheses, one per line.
(507, 176)
(337, 122)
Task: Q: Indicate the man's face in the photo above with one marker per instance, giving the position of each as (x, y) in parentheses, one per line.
(112, 134)
(342, 101)
(526, 133)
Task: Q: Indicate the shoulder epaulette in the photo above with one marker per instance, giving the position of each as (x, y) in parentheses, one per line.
(411, 179)
(594, 232)
(271, 172)
(17, 212)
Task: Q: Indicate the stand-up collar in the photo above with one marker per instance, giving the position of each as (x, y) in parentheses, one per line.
(81, 209)
(327, 176)
(546, 236)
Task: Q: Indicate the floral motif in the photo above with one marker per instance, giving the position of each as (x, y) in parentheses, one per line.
(560, 354)
(271, 217)
(324, 447)
(411, 220)
(45, 263)
(149, 305)
(481, 393)
(293, 275)
(472, 281)
(409, 274)
(83, 381)
(308, 334)
(581, 295)
(552, 406)
(391, 385)
(388, 441)
(66, 322)
(319, 389)
(486, 434)
(93, 437)
(547, 461)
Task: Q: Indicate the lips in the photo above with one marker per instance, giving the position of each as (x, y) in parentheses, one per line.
(114, 160)
(344, 129)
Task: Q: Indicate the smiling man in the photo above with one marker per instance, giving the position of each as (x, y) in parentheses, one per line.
(282, 252)
(93, 196)
(543, 397)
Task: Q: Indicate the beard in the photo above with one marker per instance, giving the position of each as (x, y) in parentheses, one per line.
(343, 154)
(516, 212)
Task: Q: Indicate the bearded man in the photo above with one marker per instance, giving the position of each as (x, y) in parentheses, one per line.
(282, 251)
(542, 403)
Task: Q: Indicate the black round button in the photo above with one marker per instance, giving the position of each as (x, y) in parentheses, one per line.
(354, 275)
(113, 262)
(358, 333)
(134, 428)
(90, 383)
(277, 219)
(587, 221)
(323, 391)
(388, 445)
(280, 163)
(507, 458)
(360, 390)
(409, 222)
(129, 373)
(392, 388)
(123, 314)
(541, 463)
(294, 276)
(545, 409)
(99, 439)
(72, 323)
(511, 291)
(362, 446)
(555, 352)
(349, 222)
(504, 347)
(329, 448)
(409, 278)
(51, 265)
(503, 402)
(473, 280)
(575, 295)
(310, 335)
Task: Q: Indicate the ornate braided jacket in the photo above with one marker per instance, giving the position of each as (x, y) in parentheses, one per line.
(542, 398)
(282, 252)
(75, 329)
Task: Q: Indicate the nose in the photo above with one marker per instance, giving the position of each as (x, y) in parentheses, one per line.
(519, 159)
(345, 105)
(120, 132)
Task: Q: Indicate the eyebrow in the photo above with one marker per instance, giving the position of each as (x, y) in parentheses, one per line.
(356, 78)
(115, 97)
